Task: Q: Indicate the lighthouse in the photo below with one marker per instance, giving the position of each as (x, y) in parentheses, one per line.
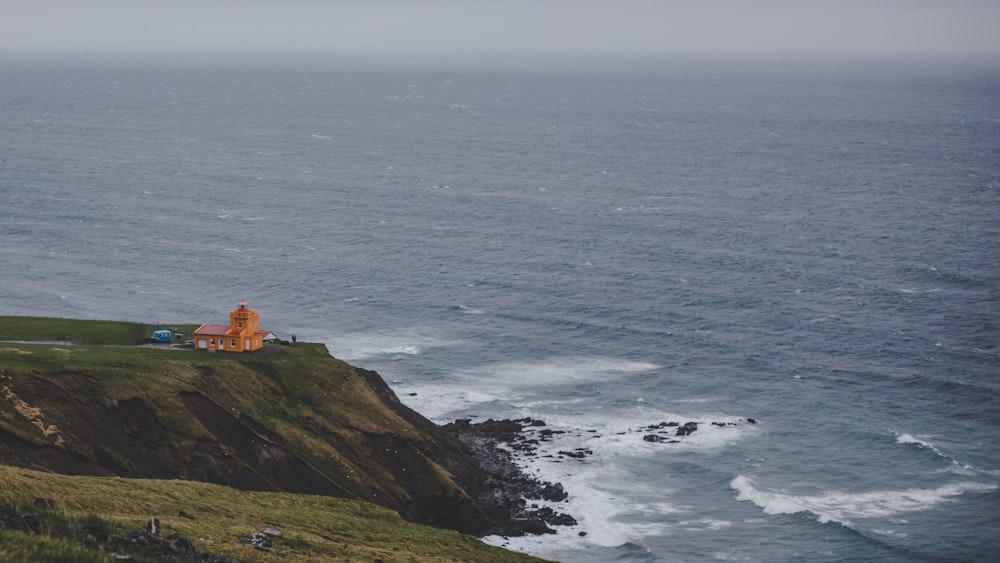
(242, 335)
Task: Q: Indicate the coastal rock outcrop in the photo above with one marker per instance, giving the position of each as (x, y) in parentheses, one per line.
(506, 488)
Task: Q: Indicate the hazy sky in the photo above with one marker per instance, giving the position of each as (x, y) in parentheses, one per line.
(943, 27)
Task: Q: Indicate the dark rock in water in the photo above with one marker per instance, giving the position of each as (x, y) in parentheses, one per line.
(579, 453)
(662, 425)
(725, 424)
(537, 423)
(554, 492)
(525, 527)
(688, 428)
(656, 438)
(547, 491)
(562, 520)
(550, 517)
(525, 445)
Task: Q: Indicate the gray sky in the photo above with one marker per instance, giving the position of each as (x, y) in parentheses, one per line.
(938, 27)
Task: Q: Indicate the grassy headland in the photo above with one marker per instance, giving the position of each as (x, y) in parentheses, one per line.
(283, 419)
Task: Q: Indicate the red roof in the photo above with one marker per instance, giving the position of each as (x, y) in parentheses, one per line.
(221, 330)
(212, 330)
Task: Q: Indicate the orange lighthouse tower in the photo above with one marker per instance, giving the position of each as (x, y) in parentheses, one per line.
(242, 335)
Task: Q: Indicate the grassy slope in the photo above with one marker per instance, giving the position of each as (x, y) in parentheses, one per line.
(315, 405)
(15, 546)
(313, 527)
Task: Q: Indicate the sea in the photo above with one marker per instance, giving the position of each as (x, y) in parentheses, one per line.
(604, 245)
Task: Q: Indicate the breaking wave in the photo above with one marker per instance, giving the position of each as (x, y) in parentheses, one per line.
(843, 507)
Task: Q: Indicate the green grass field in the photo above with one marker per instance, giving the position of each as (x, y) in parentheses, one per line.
(82, 331)
(314, 527)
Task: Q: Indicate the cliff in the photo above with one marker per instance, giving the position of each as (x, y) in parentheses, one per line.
(288, 419)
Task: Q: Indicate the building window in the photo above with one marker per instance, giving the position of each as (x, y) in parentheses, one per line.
(232, 343)
(239, 324)
(211, 342)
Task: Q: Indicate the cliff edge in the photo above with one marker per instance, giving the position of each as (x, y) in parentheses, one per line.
(288, 419)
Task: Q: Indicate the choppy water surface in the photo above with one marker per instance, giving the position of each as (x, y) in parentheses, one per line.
(604, 248)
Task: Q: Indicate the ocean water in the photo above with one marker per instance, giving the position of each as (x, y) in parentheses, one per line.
(604, 246)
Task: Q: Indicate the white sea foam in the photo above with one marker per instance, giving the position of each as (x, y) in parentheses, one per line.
(837, 506)
(703, 524)
(613, 506)
(363, 346)
(509, 389)
(601, 510)
(915, 290)
(555, 371)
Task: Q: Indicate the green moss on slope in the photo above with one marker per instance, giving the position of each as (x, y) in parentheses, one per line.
(219, 520)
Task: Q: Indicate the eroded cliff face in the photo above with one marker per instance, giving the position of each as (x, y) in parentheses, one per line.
(292, 420)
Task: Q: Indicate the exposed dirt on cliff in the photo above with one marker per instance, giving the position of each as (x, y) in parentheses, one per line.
(273, 467)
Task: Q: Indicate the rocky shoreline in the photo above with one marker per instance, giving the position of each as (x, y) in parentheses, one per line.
(465, 476)
(505, 495)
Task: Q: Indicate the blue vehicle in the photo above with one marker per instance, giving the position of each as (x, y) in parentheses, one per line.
(162, 336)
